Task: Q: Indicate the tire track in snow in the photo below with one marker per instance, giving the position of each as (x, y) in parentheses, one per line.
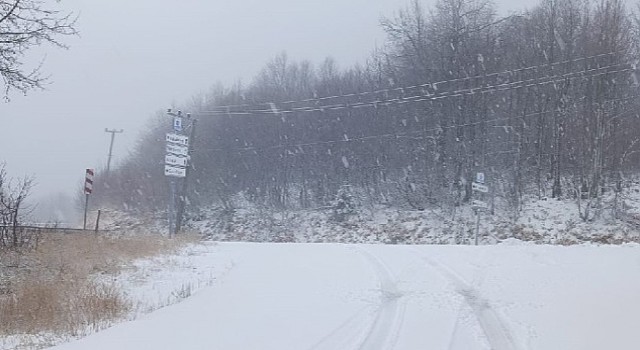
(342, 337)
(374, 326)
(383, 333)
(493, 326)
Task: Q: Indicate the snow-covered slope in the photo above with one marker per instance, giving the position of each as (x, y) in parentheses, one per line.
(330, 296)
(541, 222)
(612, 219)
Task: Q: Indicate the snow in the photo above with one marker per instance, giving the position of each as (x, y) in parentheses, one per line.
(149, 284)
(165, 280)
(539, 220)
(542, 222)
(345, 162)
(350, 296)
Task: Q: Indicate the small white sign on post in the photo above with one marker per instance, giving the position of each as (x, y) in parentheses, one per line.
(170, 159)
(479, 205)
(177, 124)
(177, 150)
(174, 171)
(480, 178)
(480, 188)
(180, 140)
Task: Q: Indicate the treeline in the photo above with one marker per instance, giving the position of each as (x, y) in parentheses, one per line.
(545, 103)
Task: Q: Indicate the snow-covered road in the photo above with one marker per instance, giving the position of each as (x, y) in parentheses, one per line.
(306, 296)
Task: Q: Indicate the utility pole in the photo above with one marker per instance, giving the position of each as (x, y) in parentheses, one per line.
(177, 162)
(185, 182)
(113, 136)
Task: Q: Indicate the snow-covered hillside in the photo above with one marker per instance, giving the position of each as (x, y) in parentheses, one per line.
(613, 219)
(332, 296)
(546, 221)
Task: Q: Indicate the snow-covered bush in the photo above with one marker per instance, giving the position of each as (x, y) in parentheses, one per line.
(344, 206)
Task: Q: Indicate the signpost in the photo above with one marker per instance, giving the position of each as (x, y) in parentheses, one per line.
(478, 205)
(88, 188)
(176, 163)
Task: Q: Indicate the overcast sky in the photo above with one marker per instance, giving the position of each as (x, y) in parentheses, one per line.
(134, 58)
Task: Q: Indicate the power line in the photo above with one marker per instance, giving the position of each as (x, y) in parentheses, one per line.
(534, 82)
(407, 134)
(226, 109)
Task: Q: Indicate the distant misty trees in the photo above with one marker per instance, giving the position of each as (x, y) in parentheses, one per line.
(545, 103)
(23, 25)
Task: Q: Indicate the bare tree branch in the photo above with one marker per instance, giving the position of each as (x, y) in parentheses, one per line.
(25, 24)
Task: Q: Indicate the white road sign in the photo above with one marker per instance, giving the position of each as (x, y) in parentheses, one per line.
(177, 150)
(479, 205)
(178, 139)
(174, 171)
(480, 178)
(170, 159)
(177, 124)
(480, 188)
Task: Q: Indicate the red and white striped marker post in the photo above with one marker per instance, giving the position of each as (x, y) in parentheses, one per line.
(88, 188)
(88, 182)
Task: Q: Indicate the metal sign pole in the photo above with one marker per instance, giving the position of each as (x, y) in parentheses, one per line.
(86, 208)
(477, 225)
(478, 186)
(172, 209)
(185, 182)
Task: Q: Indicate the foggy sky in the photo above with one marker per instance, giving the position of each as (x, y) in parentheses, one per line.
(134, 58)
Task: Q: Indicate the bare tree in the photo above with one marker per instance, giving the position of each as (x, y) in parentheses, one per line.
(12, 209)
(23, 25)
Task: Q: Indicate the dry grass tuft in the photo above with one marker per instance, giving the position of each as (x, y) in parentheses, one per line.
(60, 307)
(53, 289)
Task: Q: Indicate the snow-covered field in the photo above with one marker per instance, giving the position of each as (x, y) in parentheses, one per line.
(335, 296)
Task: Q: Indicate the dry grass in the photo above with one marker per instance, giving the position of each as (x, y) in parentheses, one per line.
(52, 289)
(60, 307)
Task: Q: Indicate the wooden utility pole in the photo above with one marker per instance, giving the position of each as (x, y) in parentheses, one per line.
(176, 168)
(113, 136)
(185, 182)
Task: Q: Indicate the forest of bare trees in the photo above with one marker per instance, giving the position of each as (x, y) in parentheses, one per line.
(545, 103)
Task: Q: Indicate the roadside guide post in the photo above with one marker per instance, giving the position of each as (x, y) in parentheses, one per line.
(88, 188)
(479, 205)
